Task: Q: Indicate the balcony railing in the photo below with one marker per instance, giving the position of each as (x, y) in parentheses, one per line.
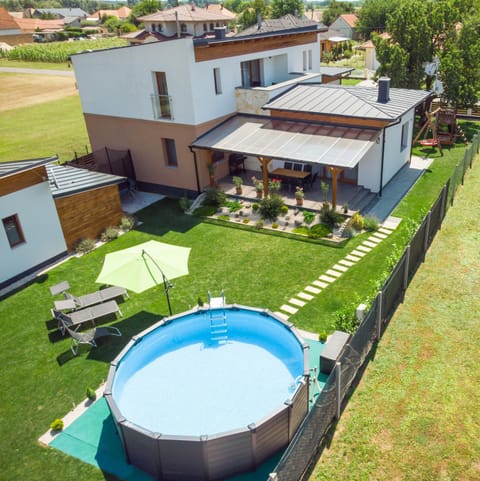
(162, 106)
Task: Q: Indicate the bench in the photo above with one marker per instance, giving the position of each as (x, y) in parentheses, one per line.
(334, 347)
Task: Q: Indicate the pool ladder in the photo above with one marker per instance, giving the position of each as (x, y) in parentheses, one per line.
(218, 318)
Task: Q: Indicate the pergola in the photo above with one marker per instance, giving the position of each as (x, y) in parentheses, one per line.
(335, 146)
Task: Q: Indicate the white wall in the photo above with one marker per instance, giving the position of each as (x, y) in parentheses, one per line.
(370, 166)
(119, 82)
(41, 228)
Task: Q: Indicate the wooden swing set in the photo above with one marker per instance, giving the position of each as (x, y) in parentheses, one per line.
(443, 128)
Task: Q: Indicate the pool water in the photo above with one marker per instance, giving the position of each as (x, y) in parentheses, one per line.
(177, 380)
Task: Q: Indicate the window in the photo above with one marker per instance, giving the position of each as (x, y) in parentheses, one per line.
(13, 230)
(304, 60)
(183, 27)
(170, 152)
(251, 73)
(309, 60)
(205, 27)
(160, 27)
(212, 27)
(154, 27)
(162, 105)
(217, 81)
(404, 141)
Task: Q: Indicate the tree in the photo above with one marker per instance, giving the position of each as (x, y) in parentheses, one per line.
(372, 16)
(334, 10)
(279, 8)
(459, 64)
(250, 11)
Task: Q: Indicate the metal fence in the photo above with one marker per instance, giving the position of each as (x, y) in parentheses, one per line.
(109, 161)
(307, 444)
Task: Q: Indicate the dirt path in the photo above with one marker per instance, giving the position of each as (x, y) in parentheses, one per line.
(21, 90)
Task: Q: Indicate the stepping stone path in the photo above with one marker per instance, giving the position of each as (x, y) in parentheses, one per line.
(331, 275)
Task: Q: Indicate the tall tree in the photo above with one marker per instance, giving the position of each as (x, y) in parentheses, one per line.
(334, 10)
(279, 8)
(250, 11)
(372, 16)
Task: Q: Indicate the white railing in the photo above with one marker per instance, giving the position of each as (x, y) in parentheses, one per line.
(162, 106)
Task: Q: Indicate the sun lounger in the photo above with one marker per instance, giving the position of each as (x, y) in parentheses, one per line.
(60, 288)
(97, 297)
(89, 337)
(89, 314)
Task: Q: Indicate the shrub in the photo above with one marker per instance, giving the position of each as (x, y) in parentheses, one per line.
(284, 210)
(259, 224)
(370, 223)
(127, 222)
(346, 320)
(185, 203)
(255, 207)
(200, 302)
(56, 425)
(214, 196)
(319, 230)
(348, 232)
(109, 234)
(224, 217)
(270, 207)
(246, 220)
(356, 222)
(91, 394)
(275, 225)
(233, 205)
(322, 336)
(328, 216)
(308, 216)
(85, 245)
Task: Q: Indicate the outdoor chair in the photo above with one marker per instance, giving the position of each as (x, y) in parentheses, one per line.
(89, 314)
(59, 288)
(97, 297)
(89, 337)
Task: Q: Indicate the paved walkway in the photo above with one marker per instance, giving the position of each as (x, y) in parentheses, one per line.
(64, 73)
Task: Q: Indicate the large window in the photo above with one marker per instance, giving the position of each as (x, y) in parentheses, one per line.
(162, 102)
(251, 73)
(217, 80)
(404, 140)
(170, 152)
(13, 230)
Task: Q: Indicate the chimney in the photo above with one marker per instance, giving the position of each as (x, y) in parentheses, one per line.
(206, 6)
(259, 20)
(221, 6)
(220, 33)
(383, 90)
(177, 23)
(193, 6)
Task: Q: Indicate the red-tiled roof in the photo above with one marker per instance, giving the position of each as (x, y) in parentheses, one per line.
(122, 12)
(188, 13)
(34, 24)
(6, 21)
(350, 18)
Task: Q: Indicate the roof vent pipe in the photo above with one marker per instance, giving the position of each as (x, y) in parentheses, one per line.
(259, 20)
(383, 90)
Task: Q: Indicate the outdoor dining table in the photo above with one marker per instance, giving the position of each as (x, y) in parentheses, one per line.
(297, 176)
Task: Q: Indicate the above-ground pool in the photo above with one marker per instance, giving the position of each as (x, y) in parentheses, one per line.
(209, 393)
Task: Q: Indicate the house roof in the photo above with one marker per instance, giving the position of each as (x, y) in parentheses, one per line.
(7, 22)
(67, 180)
(35, 24)
(350, 18)
(319, 143)
(63, 12)
(9, 168)
(357, 102)
(335, 71)
(122, 12)
(275, 25)
(187, 13)
(369, 43)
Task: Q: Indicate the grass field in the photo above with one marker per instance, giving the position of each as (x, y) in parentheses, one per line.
(415, 414)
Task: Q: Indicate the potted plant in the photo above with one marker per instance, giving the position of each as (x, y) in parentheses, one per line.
(299, 195)
(274, 186)
(345, 208)
(238, 181)
(258, 184)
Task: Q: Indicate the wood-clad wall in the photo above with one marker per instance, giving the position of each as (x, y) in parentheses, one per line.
(244, 46)
(22, 180)
(88, 214)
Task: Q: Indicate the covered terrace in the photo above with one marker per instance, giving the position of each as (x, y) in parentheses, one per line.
(268, 144)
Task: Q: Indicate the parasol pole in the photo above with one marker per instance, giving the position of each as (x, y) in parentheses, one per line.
(167, 285)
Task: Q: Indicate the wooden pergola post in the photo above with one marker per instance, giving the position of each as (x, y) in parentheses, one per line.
(264, 161)
(334, 171)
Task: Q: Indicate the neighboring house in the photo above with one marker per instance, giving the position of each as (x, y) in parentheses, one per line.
(185, 20)
(371, 62)
(345, 25)
(183, 88)
(121, 13)
(329, 39)
(30, 232)
(46, 209)
(8, 26)
(334, 75)
(60, 12)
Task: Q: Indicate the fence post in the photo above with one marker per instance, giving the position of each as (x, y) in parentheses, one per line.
(379, 314)
(464, 167)
(444, 201)
(427, 232)
(338, 383)
(407, 268)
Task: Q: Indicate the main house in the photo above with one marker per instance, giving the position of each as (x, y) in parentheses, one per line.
(187, 105)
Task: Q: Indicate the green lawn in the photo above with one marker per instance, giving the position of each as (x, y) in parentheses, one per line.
(43, 130)
(415, 414)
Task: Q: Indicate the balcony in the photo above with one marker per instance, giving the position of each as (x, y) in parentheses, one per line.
(162, 107)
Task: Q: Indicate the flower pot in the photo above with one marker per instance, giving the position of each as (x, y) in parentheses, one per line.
(259, 194)
(299, 201)
(238, 190)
